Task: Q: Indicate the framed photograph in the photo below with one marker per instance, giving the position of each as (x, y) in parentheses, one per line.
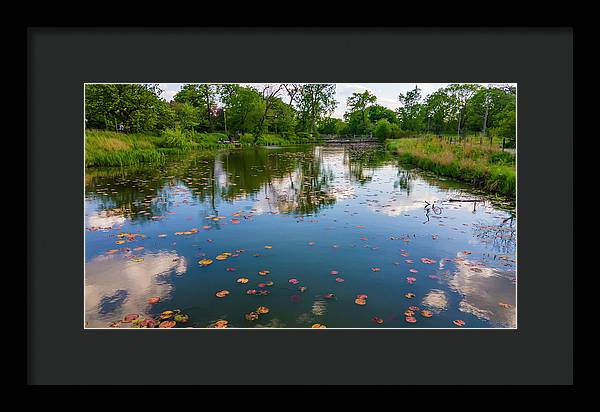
(228, 206)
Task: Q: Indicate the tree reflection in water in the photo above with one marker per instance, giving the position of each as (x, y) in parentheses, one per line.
(292, 181)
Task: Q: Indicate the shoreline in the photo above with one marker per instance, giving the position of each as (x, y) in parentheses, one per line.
(484, 167)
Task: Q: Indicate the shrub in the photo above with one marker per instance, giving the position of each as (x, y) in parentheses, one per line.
(176, 138)
(383, 129)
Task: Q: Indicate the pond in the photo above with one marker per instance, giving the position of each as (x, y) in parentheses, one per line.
(339, 236)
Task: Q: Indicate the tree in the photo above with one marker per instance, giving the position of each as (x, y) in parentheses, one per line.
(437, 109)
(243, 107)
(281, 117)
(331, 125)
(203, 97)
(459, 95)
(378, 112)
(410, 110)
(505, 124)
(269, 94)
(137, 107)
(313, 102)
(383, 129)
(188, 116)
(358, 103)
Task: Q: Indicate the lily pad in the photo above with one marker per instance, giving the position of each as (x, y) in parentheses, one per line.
(251, 316)
(147, 323)
(181, 318)
(261, 310)
(167, 314)
(222, 293)
(167, 324)
(130, 318)
(221, 323)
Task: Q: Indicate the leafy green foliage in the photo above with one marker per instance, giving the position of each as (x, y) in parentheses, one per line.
(135, 107)
(383, 129)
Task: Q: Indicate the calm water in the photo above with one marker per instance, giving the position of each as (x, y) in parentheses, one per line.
(298, 213)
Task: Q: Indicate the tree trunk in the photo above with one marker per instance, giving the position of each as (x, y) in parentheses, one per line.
(485, 117)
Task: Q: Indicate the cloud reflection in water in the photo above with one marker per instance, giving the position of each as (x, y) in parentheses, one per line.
(116, 286)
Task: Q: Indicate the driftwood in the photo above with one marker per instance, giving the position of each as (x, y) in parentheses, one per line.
(465, 200)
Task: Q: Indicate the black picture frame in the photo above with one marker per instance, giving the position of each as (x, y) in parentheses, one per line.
(61, 60)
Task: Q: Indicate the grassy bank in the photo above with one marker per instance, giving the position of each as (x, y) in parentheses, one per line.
(105, 148)
(484, 166)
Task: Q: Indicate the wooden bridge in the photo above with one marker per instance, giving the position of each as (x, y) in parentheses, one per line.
(334, 138)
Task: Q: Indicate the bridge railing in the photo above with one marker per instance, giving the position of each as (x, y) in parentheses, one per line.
(349, 137)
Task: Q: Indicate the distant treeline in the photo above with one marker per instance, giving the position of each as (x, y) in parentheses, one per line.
(299, 109)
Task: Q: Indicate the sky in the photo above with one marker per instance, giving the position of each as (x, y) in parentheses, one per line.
(386, 93)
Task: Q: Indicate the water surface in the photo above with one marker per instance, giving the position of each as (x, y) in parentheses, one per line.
(299, 213)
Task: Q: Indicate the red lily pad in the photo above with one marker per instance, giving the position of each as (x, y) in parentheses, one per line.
(167, 324)
(130, 318)
(251, 316)
(147, 323)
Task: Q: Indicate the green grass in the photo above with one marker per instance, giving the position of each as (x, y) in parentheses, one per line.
(272, 139)
(106, 148)
(482, 165)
